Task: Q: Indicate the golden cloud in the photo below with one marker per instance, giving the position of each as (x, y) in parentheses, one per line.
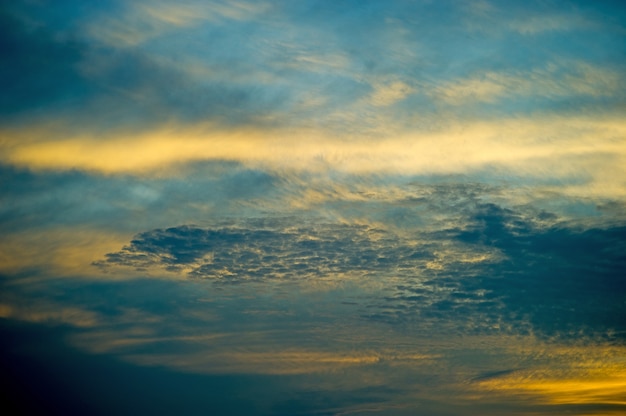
(551, 146)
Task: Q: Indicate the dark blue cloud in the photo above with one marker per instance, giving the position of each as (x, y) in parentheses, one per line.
(39, 68)
(48, 66)
(569, 282)
(66, 380)
(555, 281)
(259, 253)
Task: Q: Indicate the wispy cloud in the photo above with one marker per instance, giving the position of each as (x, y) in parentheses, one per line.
(548, 23)
(561, 147)
(139, 22)
(567, 79)
(50, 314)
(583, 377)
(497, 17)
(390, 93)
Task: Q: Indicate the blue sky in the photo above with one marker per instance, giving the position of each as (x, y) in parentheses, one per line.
(313, 207)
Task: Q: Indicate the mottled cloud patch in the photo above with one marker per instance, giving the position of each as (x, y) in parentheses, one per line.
(494, 270)
(550, 279)
(261, 253)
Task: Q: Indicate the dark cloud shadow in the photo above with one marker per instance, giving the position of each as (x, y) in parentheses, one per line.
(38, 68)
(39, 200)
(568, 282)
(553, 280)
(241, 252)
(62, 380)
(49, 68)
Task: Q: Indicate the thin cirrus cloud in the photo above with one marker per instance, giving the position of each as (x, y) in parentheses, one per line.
(264, 74)
(568, 79)
(140, 22)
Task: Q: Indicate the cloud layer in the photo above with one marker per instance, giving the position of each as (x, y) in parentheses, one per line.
(500, 272)
(297, 208)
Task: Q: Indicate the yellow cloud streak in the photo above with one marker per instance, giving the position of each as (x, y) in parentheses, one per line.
(610, 389)
(575, 375)
(59, 251)
(51, 313)
(294, 361)
(560, 146)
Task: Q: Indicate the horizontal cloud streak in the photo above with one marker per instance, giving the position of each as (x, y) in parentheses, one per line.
(567, 79)
(570, 145)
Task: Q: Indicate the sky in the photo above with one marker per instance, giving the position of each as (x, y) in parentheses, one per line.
(313, 207)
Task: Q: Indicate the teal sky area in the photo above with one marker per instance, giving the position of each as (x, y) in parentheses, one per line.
(313, 207)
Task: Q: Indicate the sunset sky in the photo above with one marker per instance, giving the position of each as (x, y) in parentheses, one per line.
(299, 207)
